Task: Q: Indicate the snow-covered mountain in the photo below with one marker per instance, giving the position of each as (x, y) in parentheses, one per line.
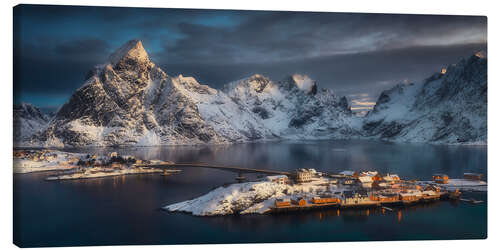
(448, 107)
(293, 107)
(131, 101)
(28, 119)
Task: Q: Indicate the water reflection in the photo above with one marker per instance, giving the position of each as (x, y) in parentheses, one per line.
(126, 209)
(408, 160)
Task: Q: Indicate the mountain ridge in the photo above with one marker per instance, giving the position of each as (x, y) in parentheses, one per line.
(131, 101)
(448, 107)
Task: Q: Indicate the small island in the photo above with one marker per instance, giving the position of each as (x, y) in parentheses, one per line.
(70, 166)
(307, 189)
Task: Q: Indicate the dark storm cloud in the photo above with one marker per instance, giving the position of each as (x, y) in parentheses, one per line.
(353, 54)
(277, 36)
(59, 67)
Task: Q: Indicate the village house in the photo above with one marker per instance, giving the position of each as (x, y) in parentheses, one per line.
(372, 174)
(348, 173)
(299, 201)
(282, 202)
(410, 195)
(348, 181)
(440, 178)
(280, 179)
(325, 200)
(391, 178)
(384, 197)
(432, 187)
(302, 175)
(352, 197)
(365, 179)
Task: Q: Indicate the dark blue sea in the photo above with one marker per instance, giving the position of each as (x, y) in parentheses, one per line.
(127, 209)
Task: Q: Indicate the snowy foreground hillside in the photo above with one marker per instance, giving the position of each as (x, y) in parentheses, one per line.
(129, 100)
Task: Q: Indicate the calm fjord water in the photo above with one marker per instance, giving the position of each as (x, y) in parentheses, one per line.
(126, 209)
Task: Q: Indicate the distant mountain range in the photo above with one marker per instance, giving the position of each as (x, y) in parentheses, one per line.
(131, 101)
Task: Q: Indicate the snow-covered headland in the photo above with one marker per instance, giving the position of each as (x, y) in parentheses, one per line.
(81, 166)
(97, 172)
(345, 189)
(28, 161)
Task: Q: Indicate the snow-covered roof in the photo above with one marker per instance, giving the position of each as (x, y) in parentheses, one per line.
(391, 177)
(274, 177)
(370, 173)
(347, 172)
(283, 200)
(429, 192)
(365, 179)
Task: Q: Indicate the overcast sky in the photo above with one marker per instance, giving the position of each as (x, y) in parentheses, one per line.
(357, 55)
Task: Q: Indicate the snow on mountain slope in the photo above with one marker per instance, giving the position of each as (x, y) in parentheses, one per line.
(128, 101)
(228, 119)
(448, 107)
(131, 101)
(293, 108)
(28, 119)
(305, 83)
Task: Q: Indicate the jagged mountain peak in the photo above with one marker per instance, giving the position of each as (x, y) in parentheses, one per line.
(28, 119)
(257, 83)
(481, 54)
(258, 77)
(28, 110)
(132, 51)
(302, 82)
(190, 84)
(24, 105)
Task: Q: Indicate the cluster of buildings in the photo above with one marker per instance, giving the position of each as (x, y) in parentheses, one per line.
(79, 165)
(35, 155)
(110, 160)
(46, 155)
(367, 188)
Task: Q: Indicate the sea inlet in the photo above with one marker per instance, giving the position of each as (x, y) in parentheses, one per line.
(127, 209)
